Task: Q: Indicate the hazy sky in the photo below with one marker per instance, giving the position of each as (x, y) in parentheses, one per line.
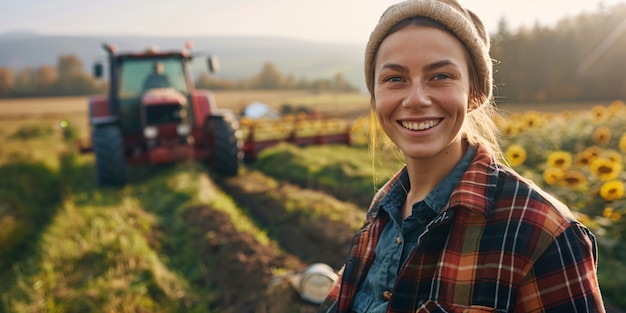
(317, 20)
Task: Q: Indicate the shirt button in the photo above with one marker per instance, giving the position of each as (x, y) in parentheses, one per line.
(398, 240)
(387, 295)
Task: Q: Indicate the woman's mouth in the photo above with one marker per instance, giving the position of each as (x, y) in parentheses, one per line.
(423, 125)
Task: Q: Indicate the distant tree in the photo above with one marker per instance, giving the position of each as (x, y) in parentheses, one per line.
(322, 85)
(341, 84)
(72, 79)
(7, 79)
(25, 82)
(503, 32)
(47, 76)
(290, 82)
(270, 77)
(303, 83)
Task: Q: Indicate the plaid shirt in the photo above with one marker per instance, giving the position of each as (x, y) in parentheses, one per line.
(499, 245)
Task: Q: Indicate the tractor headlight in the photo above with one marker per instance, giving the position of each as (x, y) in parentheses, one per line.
(150, 132)
(314, 283)
(182, 129)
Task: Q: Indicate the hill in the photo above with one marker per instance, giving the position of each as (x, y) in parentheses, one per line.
(240, 57)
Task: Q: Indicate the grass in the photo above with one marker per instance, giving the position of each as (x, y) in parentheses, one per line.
(69, 246)
(343, 171)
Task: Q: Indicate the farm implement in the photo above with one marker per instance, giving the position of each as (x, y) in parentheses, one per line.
(299, 130)
(153, 114)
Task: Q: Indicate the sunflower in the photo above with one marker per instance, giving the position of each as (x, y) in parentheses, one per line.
(605, 169)
(613, 155)
(585, 157)
(531, 119)
(560, 159)
(552, 175)
(598, 112)
(611, 214)
(574, 180)
(622, 143)
(510, 129)
(616, 107)
(516, 155)
(612, 190)
(602, 135)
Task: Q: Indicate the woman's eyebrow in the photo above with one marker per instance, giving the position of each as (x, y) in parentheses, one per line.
(439, 64)
(427, 68)
(395, 67)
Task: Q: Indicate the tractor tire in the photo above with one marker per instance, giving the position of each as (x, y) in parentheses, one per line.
(108, 147)
(224, 147)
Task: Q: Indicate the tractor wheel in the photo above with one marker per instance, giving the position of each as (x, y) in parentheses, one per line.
(108, 147)
(223, 146)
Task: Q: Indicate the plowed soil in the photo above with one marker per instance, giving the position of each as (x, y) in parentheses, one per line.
(242, 268)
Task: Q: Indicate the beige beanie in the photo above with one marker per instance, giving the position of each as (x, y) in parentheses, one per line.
(463, 23)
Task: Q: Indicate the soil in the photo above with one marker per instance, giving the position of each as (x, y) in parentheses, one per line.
(241, 268)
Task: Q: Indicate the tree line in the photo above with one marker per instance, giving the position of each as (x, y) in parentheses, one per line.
(68, 78)
(270, 77)
(581, 58)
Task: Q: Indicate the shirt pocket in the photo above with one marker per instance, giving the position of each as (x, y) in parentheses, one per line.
(438, 307)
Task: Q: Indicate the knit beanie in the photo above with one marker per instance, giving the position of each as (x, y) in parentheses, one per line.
(463, 23)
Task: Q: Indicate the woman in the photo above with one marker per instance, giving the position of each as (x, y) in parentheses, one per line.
(455, 230)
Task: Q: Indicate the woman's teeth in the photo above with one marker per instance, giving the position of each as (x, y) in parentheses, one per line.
(420, 125)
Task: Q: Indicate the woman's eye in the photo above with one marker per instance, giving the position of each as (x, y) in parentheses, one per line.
(394, 79)
(441, 76)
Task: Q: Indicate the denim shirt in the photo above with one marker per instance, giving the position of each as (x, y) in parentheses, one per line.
(399, 237)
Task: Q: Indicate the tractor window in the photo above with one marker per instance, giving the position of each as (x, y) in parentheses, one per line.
(137, 75)
(164, 114)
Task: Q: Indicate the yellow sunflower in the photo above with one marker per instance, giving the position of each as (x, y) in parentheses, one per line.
(616, 107)
(531, 119)
(622, 143)
(613, 155)
(612, 190)
(510, 129)
(574, 180)
(516, 155)
(598, 112)
(602, 135)
(605, 169)
(612, 214)
(560, 159)
(552, 175)
(585, 157)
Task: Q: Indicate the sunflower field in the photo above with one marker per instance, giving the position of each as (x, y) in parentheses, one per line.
(578, 157)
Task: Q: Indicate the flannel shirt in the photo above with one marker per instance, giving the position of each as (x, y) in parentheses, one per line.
(500, 244)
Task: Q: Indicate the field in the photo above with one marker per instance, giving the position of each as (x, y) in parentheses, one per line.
(179, 239)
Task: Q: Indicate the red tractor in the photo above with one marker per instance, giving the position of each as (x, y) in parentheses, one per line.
(153, 114)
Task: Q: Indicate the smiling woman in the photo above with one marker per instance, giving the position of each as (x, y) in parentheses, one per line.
(444, 232)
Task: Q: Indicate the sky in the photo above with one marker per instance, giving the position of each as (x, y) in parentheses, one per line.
(349, 21)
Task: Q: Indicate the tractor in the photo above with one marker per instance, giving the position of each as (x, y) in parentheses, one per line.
(152, 114)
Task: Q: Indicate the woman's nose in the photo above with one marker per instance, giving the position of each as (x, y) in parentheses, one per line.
(417, 95)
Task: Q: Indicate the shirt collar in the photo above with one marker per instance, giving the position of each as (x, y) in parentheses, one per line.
(475, 190)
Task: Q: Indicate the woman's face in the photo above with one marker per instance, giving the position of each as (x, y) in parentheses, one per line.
(421, 90)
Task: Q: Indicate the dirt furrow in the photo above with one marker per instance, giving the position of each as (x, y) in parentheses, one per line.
(309, 224)
(240, 269)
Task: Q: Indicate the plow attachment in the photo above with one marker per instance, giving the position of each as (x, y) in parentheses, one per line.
(261, 134)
